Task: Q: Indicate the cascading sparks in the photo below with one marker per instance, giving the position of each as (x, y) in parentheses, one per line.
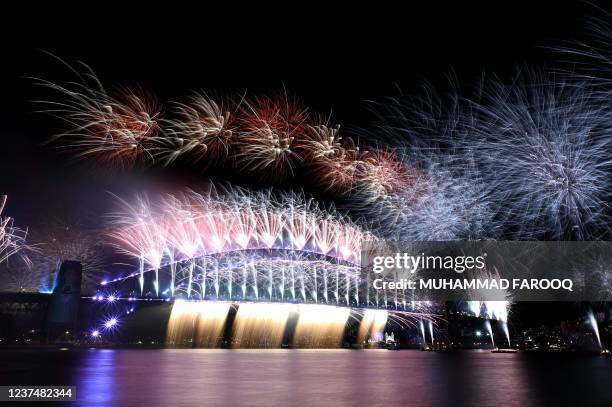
(261, 325)
(320, 326)
(372, 323)
(203, 324)
(197, 324)
(190, 226)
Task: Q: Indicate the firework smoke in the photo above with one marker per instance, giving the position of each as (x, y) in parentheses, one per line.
(59, 239)
(17, 275)
(52, 242)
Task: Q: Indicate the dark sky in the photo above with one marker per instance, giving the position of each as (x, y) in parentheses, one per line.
(333, 61)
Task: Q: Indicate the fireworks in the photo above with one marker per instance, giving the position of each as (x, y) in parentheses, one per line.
(323, 142)
(372, 324)
(239, 245)
(116, 127)
(51, 243)
(273, 131)
(438, 200)
(60, 239)
(426, 186)
(12, 239)
(320, 326)
(265, 325)
(526, 160)
(200, 322)
(268, 138)
(384, 173)
(335, 163)
(546, 152)
(203, 130)
(17, 274)
(593, 323)
(193, 223)
(594, 58)
(273, 141)
(529, 160)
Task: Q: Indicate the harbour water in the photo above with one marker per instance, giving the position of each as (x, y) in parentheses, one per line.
(314, 377)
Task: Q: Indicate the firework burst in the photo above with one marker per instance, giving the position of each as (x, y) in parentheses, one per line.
(546, 152)
(194, 223)
(258, 241)
(12, 238)
(335, 163)
(531, 158)
(322, 142)
(384, 173)
(116, 127)
(592, 60)
(439, 199)
(273, 130)
(202, 129)
(426, 185)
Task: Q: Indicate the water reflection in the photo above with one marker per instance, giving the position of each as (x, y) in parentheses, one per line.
(314, 377)
(96, 378)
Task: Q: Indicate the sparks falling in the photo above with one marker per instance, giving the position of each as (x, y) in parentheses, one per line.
(12, 238)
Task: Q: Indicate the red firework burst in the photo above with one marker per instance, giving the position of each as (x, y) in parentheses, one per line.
(336, 163)
(118, 129)
(273, 129)
(384, 173)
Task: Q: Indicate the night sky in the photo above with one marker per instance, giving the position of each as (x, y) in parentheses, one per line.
(335, 64)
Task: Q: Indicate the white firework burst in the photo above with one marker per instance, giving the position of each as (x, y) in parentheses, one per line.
(545, 149)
